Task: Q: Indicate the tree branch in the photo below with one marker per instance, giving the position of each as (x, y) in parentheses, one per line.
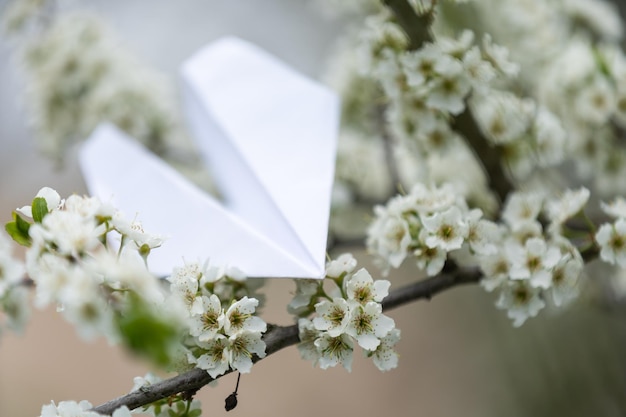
(279, 337)
(417, 29)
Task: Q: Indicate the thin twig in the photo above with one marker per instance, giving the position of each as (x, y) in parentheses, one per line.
(279, 337)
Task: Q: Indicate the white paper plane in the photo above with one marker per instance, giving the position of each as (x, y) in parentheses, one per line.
(268, 134)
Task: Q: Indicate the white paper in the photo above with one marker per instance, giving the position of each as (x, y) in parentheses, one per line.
(269, 136)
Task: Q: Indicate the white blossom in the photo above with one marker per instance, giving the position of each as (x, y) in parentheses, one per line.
(616, 208)
(332, 316)
(446, 230)
(241, 347)
(522, 208)
(385, 357)
(612, 241)
(565, 280)
(344, 264)
(568, 205)
(368, 325)
(305, 290)
(521, 301)
(53, 201)
(363, 289)
(215, 361)
(533, 262)
(334, 351)
(239, 317)
(209, 320)
(68, 409)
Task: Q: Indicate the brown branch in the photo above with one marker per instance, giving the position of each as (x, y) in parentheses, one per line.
(489, 155)
(417, 29)
(279, 337)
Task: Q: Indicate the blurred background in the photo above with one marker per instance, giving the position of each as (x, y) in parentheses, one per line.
(458, 354)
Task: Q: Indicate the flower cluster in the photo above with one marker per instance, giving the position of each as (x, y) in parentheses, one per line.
(350, 312)
(524, 260)
(80, 76)
(78, 409)
(428, 223)
(223, 330)
(76, 263)
(533, 264)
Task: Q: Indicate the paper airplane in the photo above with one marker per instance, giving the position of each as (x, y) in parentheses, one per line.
(268, 134)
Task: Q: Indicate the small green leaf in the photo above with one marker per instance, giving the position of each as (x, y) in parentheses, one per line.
(39, 208)
(22, 224)
(18, 230)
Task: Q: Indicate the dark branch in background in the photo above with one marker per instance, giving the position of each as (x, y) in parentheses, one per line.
(488, 154)
(417, 28)
(279, 337)
(390, 160)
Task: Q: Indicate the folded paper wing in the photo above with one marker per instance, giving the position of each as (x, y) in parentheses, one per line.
(269, 135)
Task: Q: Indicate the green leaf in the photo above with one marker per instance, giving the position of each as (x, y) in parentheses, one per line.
(146, 333)
(39, 208)
(18, 230)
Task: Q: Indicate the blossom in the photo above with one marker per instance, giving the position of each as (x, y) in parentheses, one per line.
(53, 201)
(385, 357)
(616, 208)
(565, 279)
(430, 259)
(240, 348)
(569, 204)
(521, 208)
(68, 409)
(612, 241)
(334, 350)
(307, 334)
(499, 57)
(421, 65)
(363, 289)
(445, 230)
(496, 269)
(67, 233)
(449, 88)
(503, 116)
(596, 102)
(344, 264)
(368, 325)
(533, 262)
(333, 317)
(239, 317)
(550, 138)
(184, 287)
(521, 301)
(389, 237)
(305, 290)
(205, 324)
(215, 359)
(482, 235)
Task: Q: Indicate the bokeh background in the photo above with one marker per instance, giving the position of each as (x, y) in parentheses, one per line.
(459, 355)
